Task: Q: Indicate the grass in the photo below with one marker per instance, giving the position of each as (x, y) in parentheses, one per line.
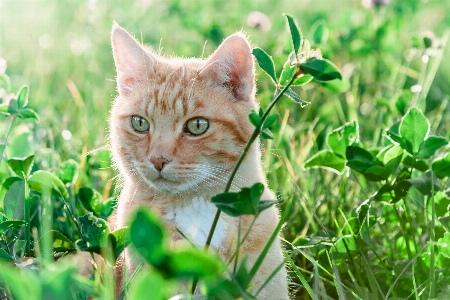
(398, 248)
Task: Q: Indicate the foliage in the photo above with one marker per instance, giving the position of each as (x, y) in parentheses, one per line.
(375, 227)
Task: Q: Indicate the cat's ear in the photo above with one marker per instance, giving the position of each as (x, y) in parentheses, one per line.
(232, 66)
(133, 62)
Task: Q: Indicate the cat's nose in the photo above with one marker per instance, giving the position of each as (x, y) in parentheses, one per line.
(159, 162)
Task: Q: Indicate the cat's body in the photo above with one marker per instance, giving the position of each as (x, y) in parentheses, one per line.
(178, 127)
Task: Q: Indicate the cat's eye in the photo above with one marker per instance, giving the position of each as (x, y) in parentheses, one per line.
(197, 126)
(140, 124)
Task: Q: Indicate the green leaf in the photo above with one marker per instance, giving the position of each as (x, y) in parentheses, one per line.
(443, 245)
(60, 243)
(13, 202)
(4, 255)
(19, 249)
(243, 276)
(28, 113)
(233, 204)
(193, 263)
(385, 193)
(265, 204)
(287, 73)
(68, 171)
(149, 285)
(13, 106)
(44, 181)
(321, 69)
(94, 230)
(265, 62)
(362, 161)
(5, 82)
(441, 167)
(149, 237)
(255, 119)
(244, 202)
(414, 128)
(429, 147)
(10, 223)
(119, 239)
(376, 173)
(256, 191)
(389, 152)
(93, 201)
(4, 108)
(22, 96)
(302, 79)
(267, 134)
(320, 33)
(108, 207)
(403, 101)
(395, 137)
(393, 158)
(328, 160)
(296, 34)
(341, 137)
(294, 96)
(4, 188)
(424, 184)
(441, 203)
(21, 166)
(420, 165)
(270, 121)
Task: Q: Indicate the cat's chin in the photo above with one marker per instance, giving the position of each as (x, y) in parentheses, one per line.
(168, 187)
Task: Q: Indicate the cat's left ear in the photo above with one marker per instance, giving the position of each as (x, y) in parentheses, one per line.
(131, 59)
(232, 66)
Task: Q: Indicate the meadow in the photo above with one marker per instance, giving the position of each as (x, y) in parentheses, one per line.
(361, 157)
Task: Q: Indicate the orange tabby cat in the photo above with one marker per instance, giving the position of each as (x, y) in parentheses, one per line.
(178, 127)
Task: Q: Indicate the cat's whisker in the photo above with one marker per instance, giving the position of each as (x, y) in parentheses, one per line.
(95, 150)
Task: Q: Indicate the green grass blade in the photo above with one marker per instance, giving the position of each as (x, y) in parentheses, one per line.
(300, 276)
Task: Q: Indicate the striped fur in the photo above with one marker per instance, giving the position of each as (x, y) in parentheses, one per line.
(168, 93)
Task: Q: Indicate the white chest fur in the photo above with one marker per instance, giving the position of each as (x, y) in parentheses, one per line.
(194, 219)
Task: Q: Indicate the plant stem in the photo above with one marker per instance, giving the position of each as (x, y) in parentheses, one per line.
(432, 242)
(6, 136)
(133, 277)
(253, 137)
(27, 216)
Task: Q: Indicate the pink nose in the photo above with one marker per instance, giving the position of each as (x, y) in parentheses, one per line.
(159, 162)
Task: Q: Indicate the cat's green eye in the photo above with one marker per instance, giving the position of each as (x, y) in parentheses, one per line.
(140, 124)
(197, 126)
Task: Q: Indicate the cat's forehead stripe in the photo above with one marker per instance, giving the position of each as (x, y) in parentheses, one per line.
(169, 91)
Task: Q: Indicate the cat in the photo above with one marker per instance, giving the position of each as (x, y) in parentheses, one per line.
(177, 128)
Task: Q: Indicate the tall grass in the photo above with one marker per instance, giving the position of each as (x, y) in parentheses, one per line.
(62, 50)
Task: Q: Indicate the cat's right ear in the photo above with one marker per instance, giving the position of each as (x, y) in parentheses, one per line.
(132, 61)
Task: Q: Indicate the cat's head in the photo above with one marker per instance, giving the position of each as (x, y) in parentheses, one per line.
(179, 125)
